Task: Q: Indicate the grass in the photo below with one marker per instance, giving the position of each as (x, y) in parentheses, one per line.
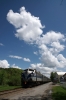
(3, 88)
(59, 93)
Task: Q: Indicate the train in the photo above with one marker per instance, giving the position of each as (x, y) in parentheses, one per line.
(31, 77)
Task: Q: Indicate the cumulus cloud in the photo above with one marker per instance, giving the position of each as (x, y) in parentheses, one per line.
(50, 48)
(58, 46)
(61, 57)
(36, 53)
(18, 57)
(50, 37)
(26, 59)
(49, 60)
(28, 27)
(50, 44)
(14, 66)
(1, 44)
(4, 64)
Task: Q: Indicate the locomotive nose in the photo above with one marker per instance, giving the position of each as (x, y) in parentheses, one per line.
(25, 77)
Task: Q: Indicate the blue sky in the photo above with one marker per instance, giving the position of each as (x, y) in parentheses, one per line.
(33, 34)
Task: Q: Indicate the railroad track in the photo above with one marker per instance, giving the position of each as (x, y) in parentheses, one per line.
(11, 91)
(5, 95)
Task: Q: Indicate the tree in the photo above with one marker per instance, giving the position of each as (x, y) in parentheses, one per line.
(52, 76)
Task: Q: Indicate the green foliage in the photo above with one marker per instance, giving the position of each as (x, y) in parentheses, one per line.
(3, 76)
(59, 93)
(52, 76)
(2, 88)
(10, 76)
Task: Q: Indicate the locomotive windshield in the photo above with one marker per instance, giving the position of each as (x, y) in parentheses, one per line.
(28, 71)
(31, 70)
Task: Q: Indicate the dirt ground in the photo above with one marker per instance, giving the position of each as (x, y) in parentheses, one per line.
(41, 92)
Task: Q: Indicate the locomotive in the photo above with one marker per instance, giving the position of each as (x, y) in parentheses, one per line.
(31, 77)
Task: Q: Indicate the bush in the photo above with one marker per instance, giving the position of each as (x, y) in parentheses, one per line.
(59, 93)
(59, 96)
(10, 76)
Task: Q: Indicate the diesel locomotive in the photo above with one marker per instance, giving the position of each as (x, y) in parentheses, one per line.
(31, 77)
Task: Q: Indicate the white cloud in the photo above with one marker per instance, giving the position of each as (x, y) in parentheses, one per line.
(36, 53)
(50, 48)
(28, 27)
(50, 37)
(26, 59)
(4, 64)
(1, 44)
(61, 57)
(17, 57)
(62, 60)
(58, 46)
(51, 59)
(61, 73)
(14, 66)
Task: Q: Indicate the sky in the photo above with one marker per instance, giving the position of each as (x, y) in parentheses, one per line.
(33, 35)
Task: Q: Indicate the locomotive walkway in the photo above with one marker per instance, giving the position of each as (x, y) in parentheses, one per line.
(34, 93)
